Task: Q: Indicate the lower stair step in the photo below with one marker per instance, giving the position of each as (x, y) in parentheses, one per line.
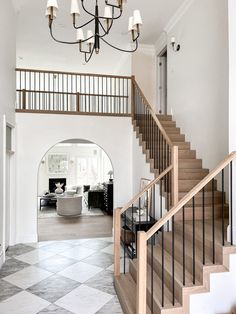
(126, 292)
(157, 295)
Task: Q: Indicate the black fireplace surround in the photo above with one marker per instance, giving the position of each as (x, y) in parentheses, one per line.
(52, 184)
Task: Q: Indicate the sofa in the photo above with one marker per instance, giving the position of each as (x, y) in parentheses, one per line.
(69, 205)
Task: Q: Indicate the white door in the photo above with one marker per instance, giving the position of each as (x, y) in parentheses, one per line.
(162, 84)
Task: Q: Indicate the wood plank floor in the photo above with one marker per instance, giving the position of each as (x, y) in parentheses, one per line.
(60, 228)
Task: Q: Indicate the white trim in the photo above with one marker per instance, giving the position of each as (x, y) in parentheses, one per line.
(1, 259)
(161, 43)
(147, 48)
(27, 238)
(178, 15)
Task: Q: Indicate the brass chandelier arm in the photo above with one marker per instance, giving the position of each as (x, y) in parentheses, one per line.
(90, 56)
(106, 32)
(122, 50)
(77, 27)
(66, 42)
(103, 17)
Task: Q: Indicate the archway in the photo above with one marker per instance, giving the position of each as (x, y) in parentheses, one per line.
(83, 205)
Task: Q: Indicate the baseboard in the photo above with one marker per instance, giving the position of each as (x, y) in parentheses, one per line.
(27, 238)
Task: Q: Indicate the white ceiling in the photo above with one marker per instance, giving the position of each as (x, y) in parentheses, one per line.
(34, 44)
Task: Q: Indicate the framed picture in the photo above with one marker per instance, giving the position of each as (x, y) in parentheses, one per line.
(57, 163)
(147, 197)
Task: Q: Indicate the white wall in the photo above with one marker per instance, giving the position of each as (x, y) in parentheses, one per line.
(144, 69)
(222, 295)
(36, 134)
(198, 78)
(141, 169)
(232, 94)
(7, 97)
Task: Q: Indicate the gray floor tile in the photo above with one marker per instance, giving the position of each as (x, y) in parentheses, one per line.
(12, 266)
(103, 281)
(53, 288)
(96, 244)
(103, 260)
(18, 249)
(56, 263)
(7, 290)
(54, 309)
(112, 306)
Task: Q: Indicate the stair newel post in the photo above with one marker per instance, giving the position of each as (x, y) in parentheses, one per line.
(175, 175)
(133, 97)
(141, 294)
(117, 234)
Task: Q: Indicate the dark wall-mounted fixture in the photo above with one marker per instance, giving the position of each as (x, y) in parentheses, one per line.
(174, 45)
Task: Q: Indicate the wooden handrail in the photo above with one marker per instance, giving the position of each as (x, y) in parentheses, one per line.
(168, 140)
(150, 185)
(69, 93)
(190, 195)
(72, 73)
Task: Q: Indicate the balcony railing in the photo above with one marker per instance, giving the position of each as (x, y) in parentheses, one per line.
(72, 93)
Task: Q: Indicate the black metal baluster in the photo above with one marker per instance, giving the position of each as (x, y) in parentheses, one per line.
(223, 206)
(194, 250)
(213, 220)
(132, 223)
(152, 273)
(173, 261)
(162, 267)
(124, 240)
(184, 246)
(231, 203)
(203, 227)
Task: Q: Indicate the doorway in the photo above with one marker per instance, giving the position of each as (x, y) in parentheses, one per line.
(162, 64)
(8, 182)
(75, 192)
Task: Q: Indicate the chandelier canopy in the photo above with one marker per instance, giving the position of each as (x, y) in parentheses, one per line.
(102, 25)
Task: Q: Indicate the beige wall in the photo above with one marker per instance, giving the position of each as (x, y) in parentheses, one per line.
(144, 70)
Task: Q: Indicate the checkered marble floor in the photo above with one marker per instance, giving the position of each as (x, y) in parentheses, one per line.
(59, 277)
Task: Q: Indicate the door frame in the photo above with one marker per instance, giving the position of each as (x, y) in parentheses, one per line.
(11, 191)
(163, 51)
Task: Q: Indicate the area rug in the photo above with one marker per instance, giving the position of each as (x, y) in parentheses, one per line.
(49, 212)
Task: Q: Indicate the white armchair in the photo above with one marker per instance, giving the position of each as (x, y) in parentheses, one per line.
(69, 205)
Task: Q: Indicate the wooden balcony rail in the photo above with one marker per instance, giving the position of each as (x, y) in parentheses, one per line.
(72, 93)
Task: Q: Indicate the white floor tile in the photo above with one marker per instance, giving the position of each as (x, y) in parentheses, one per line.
(23, 303)
(34, 256)
(57, 247)
(78, 252)
(27, 277)
(111, 268)
(109, 249)
(84, 300)
(80, 272)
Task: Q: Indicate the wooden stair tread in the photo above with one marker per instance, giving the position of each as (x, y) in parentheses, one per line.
(126, 287)
(157, 288)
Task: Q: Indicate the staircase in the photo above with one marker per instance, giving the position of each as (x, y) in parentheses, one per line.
(174, 258)
(191, 171)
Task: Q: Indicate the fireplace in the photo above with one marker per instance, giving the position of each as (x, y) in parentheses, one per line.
(53, 181)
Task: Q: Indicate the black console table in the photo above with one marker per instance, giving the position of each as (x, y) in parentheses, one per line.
(138, 223)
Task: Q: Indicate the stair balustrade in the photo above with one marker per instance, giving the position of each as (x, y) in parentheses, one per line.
(72, 93)
(172, 254)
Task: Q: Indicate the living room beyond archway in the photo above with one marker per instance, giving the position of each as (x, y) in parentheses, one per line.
(75, 192)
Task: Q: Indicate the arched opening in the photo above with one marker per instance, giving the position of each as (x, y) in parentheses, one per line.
(75, 192)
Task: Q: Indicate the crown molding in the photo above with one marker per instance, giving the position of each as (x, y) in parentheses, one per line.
(147, 48)
(178, 15)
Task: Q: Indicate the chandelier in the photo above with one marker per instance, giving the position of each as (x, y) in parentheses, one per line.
(102, 25)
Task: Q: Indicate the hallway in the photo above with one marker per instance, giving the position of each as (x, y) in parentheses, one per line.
(62, 277)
